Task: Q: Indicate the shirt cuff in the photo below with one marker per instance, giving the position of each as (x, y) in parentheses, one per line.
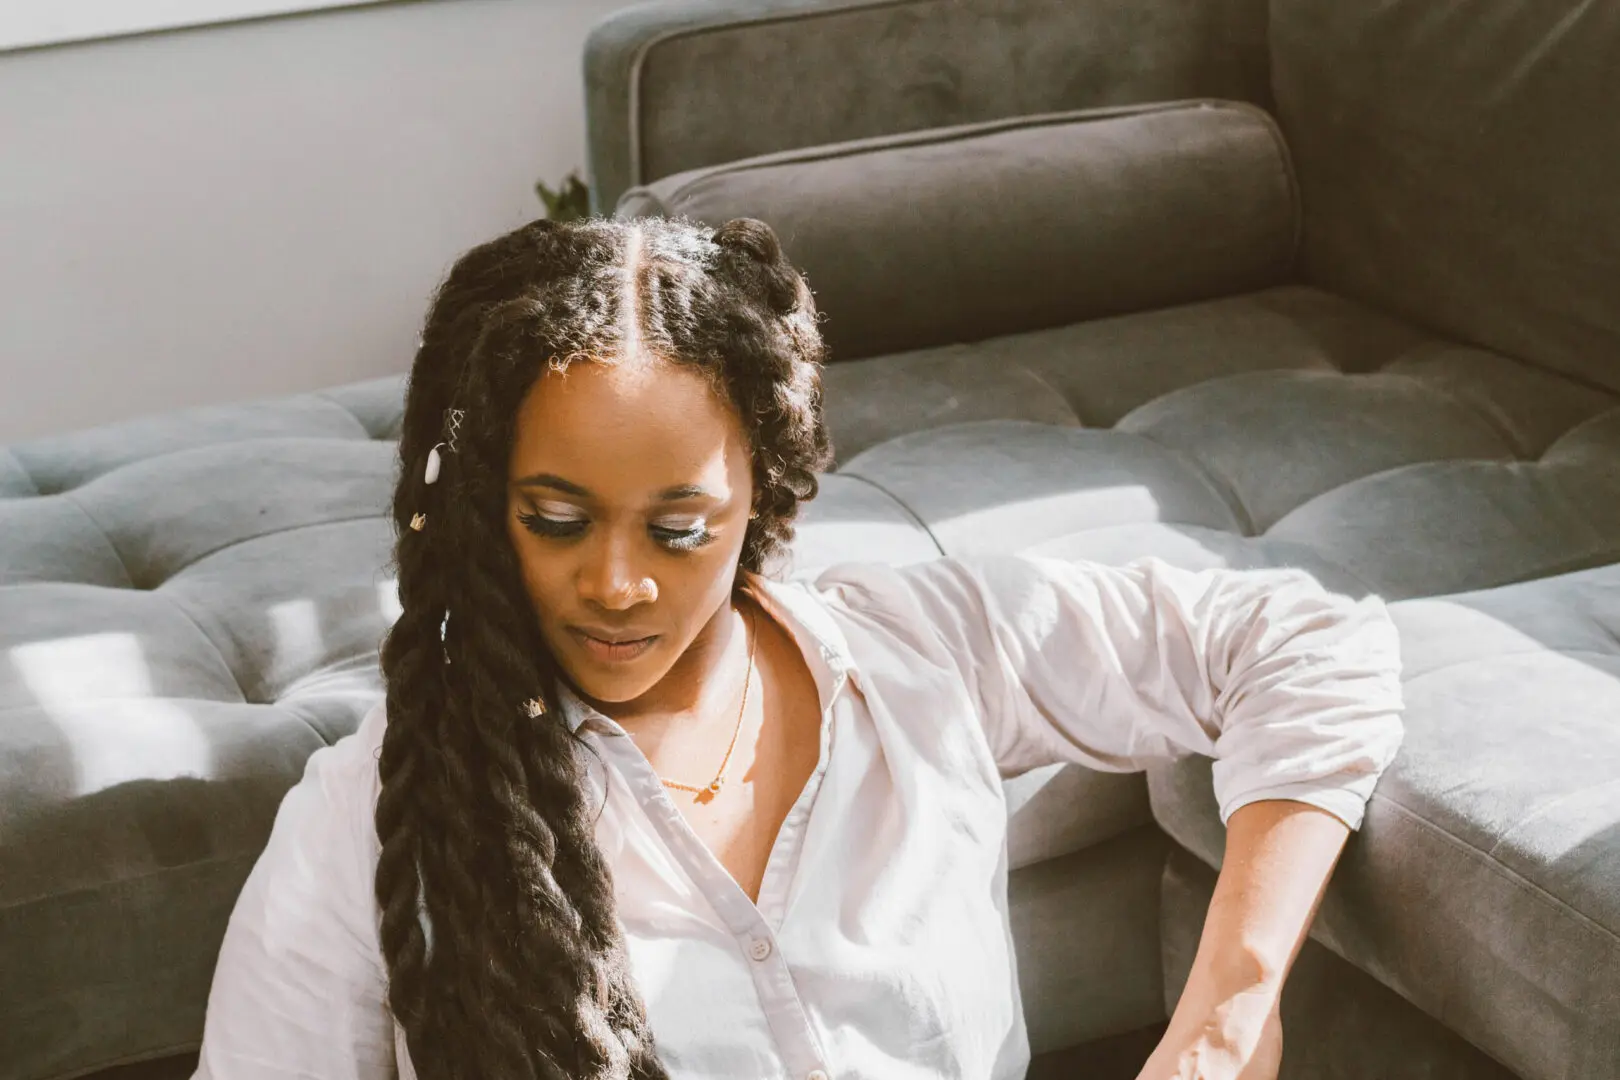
(1346, 803)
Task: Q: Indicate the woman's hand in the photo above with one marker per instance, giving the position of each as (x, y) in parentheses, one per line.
(1238, 1038)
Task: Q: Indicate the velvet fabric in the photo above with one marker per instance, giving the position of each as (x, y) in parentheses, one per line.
(1459, 159)
(678, 86)
(974, 232)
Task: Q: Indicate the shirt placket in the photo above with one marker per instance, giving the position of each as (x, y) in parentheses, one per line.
(754, 927)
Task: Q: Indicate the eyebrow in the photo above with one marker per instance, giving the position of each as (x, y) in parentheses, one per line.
(568, 487)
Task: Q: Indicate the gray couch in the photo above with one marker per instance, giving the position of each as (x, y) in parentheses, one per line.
(1320, 283)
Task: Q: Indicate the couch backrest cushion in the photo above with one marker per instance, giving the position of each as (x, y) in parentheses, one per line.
(683, 84)
(962, 234)
(1459, 164)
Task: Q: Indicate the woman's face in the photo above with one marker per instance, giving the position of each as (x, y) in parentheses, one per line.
(629, 491)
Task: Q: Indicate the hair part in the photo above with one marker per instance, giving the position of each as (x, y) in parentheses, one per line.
(504, 954)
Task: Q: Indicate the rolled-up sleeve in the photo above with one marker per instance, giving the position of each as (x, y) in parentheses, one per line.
(299, 990)
(1293, 690)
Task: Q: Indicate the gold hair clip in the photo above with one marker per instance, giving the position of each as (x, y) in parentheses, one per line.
(419, 522)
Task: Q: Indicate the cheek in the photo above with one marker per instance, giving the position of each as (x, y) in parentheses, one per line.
(540, 575)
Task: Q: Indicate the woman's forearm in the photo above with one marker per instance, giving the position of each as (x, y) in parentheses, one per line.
(1227, 1023)
(1279, 855)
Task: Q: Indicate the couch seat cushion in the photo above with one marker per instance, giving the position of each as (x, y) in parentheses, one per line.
(1485, 886)
(190, 605)
(1287, 427)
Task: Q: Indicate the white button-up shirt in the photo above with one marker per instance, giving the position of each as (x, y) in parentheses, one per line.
(879, 948)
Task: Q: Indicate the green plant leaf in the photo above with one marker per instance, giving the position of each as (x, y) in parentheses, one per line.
(568, 201)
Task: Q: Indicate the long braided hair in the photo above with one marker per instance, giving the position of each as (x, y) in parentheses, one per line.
(505, 959)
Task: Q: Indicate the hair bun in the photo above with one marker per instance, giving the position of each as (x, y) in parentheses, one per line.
(757, 241)
(752, 236)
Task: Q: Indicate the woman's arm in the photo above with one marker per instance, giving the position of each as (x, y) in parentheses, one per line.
(1279, 855)
(1293, 690)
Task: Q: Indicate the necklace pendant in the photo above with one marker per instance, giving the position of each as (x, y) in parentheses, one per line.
(715, 787)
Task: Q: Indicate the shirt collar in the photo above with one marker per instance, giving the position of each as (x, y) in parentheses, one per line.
(799, 610)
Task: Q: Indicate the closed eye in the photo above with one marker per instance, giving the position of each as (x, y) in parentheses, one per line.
(555, 528)
(686, 538)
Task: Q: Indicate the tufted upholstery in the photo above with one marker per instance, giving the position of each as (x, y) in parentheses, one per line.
(190, 605)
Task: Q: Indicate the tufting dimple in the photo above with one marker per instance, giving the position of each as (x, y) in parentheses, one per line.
(14, 479)
(288, 607)
(1595, 442)
(377, 405)
(1530, 407)
(1442, 527)
(164, 514)
(51, 538)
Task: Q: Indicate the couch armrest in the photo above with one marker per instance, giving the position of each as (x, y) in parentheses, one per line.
(967, 233)
(681, 84)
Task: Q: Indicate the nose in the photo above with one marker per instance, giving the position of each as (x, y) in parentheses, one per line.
(611, 579)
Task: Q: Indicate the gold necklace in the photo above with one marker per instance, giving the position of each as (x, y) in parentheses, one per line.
(712, 788)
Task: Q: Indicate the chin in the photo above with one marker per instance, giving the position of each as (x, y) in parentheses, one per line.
(612, 680)
(607, 690)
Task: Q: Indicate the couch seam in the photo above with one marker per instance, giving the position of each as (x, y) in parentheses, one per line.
(1508, 874)
(209, 554)
(119, 1062)
(1216, 484)
(27, 475)
(182, 699)
(236, 680)
(159, 871)
(1290, 177)
(943, 136)
(1543, 811)
(70, 498)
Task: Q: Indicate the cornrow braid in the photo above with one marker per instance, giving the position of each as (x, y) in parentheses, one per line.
(504, 952)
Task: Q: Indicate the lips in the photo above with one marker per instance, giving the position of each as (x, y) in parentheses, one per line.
(612, 646)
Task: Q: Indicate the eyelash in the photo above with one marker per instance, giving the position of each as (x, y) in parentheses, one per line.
(681, 540)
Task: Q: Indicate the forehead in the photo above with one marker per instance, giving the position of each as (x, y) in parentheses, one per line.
(625, 429)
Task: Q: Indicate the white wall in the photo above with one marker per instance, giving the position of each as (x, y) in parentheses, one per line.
(50, 22)
(230, 212)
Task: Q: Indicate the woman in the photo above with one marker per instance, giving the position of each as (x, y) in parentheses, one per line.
(632, 809)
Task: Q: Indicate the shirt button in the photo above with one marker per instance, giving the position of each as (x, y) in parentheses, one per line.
(759, 950)
(817, 1074)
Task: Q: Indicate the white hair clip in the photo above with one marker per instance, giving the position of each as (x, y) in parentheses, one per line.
(452, 424)
(535, 708)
